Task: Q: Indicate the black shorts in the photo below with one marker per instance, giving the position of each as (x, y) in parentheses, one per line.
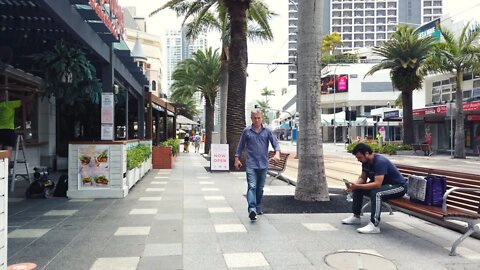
(8, 137)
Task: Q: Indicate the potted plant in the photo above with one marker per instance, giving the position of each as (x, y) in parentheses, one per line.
(163, 156)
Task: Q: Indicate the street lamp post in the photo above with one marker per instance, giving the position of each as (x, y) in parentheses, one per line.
(334, 107)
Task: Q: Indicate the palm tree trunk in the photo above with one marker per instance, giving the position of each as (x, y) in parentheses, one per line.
(237, 73)
(459, 118)
(223, 93)
(209, 114)
(312, 184)
(408, 137)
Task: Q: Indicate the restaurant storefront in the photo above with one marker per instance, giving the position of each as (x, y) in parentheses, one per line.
(436, 121)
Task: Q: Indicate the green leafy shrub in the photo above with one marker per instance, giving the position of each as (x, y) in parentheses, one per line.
(403, 147)
(174, 143)
(137, 155)
(390, 149)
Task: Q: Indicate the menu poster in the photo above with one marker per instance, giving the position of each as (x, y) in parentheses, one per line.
(106, 132)
(107, 108)
(93, 166)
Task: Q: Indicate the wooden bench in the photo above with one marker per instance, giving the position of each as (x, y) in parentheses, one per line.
(426, 148)
(276, 168)
(461, 202)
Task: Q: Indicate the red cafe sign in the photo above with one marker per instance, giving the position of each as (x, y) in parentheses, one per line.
(116, 25)
(442, 109)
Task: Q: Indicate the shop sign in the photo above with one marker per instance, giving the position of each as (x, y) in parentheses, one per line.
(391, 114)
(103, 8)
(467, 106)
(473, 117)
(219, 159)
(93, 166)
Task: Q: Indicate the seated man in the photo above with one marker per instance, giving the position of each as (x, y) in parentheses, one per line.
(386, 182)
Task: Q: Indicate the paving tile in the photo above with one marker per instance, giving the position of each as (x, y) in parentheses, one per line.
(247, 259)
(149, 199)
(230, 228)
(203, 177)
(161, 177)
(143, 211)
(466, 253)
(400, 225)
(214, 198)
(210, 189)
(196, 261)
(132, 231)
(220, 210)
(154, 189)
(60, 212)
(119, 263)
(14, 200)
(319, 227)
(168, 216)
(79, 200)
(163, 263)
(158, 183)
(206, 183)
(28, 233)
(286, 258)
(165, 249)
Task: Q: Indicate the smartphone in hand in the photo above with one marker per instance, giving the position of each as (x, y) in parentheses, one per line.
(346, 181)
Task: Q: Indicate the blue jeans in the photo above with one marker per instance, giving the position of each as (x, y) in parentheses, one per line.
(256, 182)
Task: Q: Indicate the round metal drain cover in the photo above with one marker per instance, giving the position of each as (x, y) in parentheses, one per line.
(354, 260)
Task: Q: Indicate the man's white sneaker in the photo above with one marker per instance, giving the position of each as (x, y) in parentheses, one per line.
(370, 228)
(352, 220)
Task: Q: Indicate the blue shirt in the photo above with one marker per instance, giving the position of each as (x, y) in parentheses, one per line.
(382, 166)
(257, 146)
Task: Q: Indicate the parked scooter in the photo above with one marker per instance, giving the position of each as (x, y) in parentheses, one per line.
(41, 185)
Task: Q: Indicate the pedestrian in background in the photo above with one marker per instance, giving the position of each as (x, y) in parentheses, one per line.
(186, 143)
(256, 139)
(197, 140)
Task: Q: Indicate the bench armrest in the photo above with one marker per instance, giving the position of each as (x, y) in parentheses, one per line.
(447, 193)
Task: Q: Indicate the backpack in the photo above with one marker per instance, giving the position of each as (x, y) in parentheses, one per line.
(62, 186)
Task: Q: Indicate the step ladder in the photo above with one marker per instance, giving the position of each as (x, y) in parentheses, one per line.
(20, 147)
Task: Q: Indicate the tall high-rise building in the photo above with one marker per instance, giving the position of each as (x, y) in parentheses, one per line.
(178, 48)
(364, 23)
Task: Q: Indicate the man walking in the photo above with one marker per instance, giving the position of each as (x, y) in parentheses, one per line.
(386, 182)
(256, 139)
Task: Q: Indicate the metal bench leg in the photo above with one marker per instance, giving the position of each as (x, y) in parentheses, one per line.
(365, 206)
(386, 205)
(453, 251)
(472, 227)
(389, 208)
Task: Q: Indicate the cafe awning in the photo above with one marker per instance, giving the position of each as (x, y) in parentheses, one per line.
(182, 120)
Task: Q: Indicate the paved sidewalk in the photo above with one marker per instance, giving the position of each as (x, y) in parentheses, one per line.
(186, 218)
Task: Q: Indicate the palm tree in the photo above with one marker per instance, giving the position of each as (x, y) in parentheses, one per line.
(200, 73)
(457, 56)
(205, 19)
(312, 184)
(265, 92)
(264, 107)
(186, 106)
(405, 54)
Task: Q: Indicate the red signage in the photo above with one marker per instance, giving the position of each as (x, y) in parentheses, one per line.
(331, 82)
(442, 109)
(473, 117)
(115, 24)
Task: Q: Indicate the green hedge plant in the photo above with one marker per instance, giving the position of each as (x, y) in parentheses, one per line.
(137, 155)
(174, 143)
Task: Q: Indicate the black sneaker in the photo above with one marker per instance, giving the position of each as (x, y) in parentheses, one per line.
(252, 216)
(260, 213)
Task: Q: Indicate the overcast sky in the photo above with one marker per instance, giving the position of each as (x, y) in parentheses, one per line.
(276, 51)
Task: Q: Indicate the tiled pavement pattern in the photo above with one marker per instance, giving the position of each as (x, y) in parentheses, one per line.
(187, 218)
